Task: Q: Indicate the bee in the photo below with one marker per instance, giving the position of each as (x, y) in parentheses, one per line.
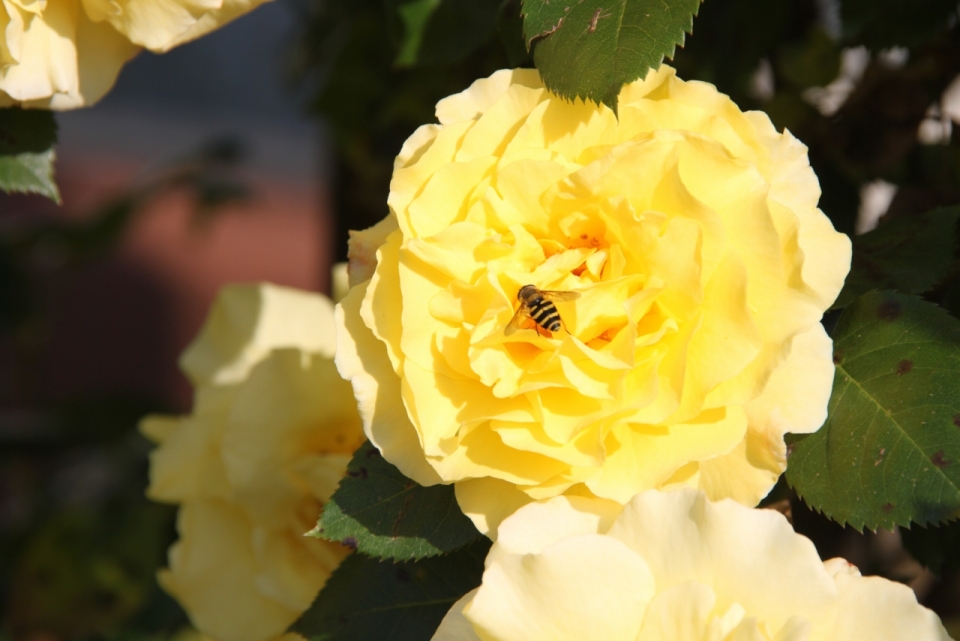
(538, 305)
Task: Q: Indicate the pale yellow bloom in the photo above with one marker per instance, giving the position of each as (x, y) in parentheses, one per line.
(270, 436)
(61, 54)
(673, 566)
(692, 233)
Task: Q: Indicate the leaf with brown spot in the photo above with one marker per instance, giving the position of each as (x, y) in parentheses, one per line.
(884, 456)
(889, 311)
(939, 460)
(369, 599)
(880, 456)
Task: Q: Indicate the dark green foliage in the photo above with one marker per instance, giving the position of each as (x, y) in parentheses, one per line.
(813, 61)
(510, 26)
(414, 15)
(590, 49)
(880, 24)
(443, 32)
(26, 152)
(84, 572)
(908, 254)
(16, 295)
(747, 32)
(889, 453)
(26, 130)
(368, 599)
(938, 548)
(383, 514)
(371, 104)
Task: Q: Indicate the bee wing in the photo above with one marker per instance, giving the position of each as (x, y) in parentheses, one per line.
(558, 296)
(514, 324)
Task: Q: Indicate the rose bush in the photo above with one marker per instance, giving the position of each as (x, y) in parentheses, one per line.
(674, 565)
(270, 436)
(692, 233)
(61, 54)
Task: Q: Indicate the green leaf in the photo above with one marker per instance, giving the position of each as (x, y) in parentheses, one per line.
(26, 152)
(889, 453)
(937, 548)
(26, 130)
(368, 599)
(382, 513)
(87, 570)
(443, 32)
(880, 24)
(812, 61)
(591, 48)
(414, 15)
(510, 26)
(910, 254)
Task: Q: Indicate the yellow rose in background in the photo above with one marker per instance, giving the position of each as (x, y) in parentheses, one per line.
(674, 566)
(62, 54)
(272, 430)
(691, 232)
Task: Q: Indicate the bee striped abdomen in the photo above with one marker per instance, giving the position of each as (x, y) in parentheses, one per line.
(544, 313)
(537, 305)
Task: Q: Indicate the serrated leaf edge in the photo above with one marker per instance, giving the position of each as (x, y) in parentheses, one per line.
(53, 193)
(317, 532)
(893, 522)
(678, 41)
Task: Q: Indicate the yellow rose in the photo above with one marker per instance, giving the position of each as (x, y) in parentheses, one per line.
(270, 436)
(674, 566)
(691, 232)
(61, 54)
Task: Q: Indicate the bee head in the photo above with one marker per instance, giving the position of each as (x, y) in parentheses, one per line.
(527, 292)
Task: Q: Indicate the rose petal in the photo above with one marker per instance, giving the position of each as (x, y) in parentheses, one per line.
(213, 573)
(291, 406)
(749, 557)
(564, 593)
(362, 360)
(455, 626)
(246, 322)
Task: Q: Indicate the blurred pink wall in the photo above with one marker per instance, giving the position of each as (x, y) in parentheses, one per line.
(120, 324)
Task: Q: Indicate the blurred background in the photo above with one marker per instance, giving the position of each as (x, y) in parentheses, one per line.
(247, 155)
(200, 168)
